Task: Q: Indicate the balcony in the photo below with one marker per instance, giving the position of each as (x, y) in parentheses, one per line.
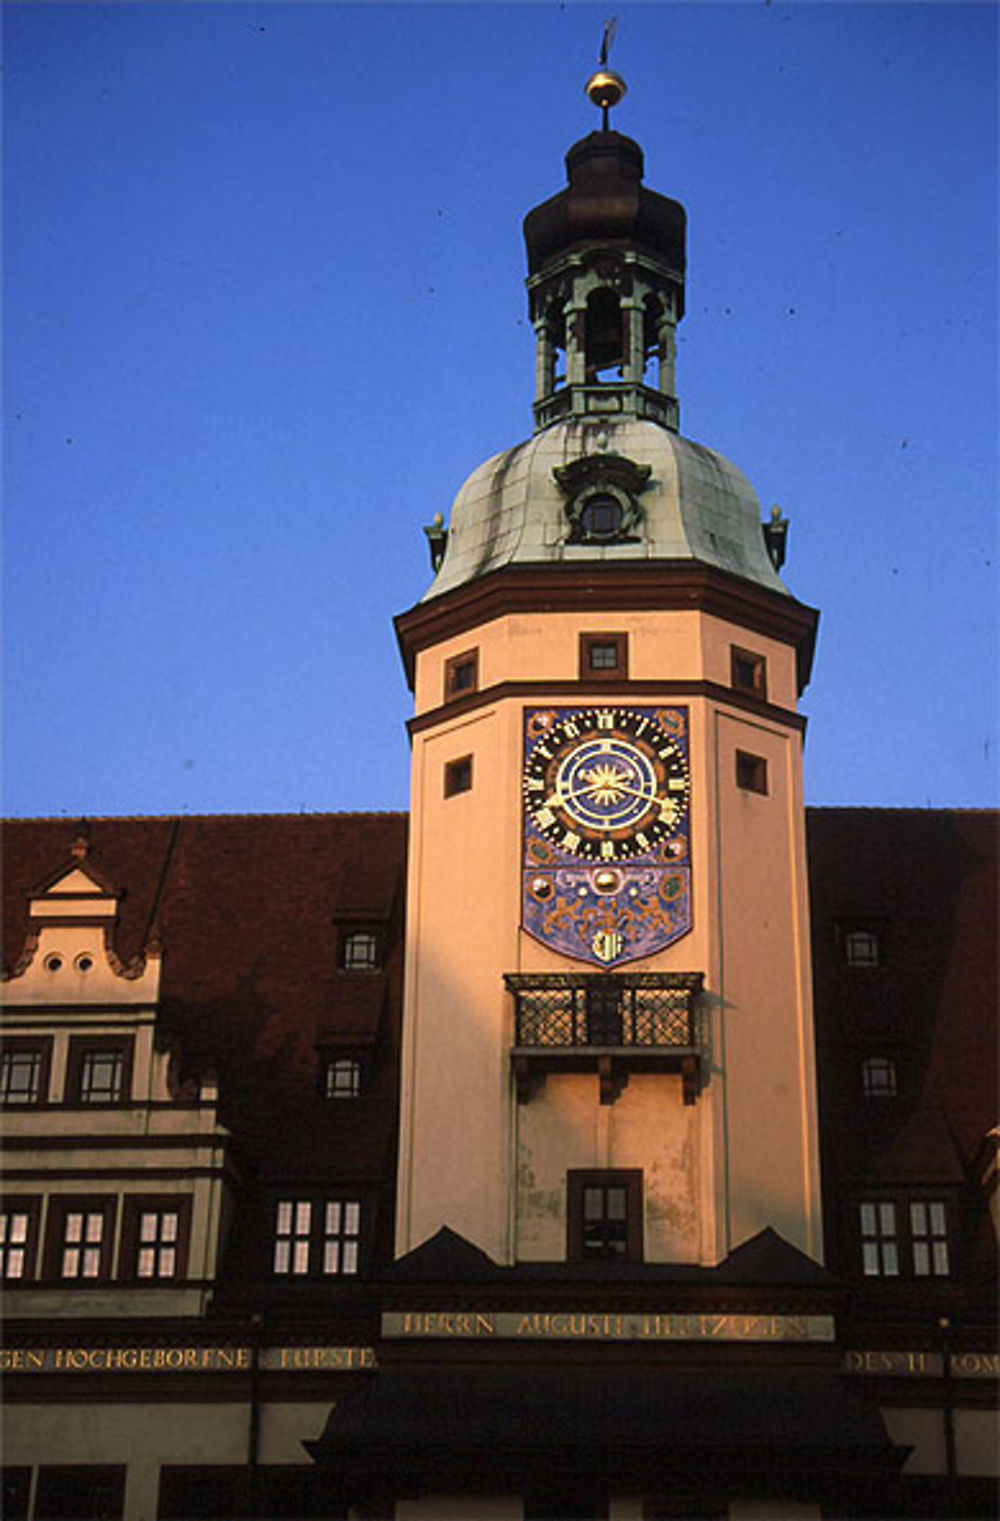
(609, 1024)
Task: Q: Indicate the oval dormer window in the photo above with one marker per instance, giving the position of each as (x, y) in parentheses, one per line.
(601, 517)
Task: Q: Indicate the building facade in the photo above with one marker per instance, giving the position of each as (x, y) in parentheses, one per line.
(610, 1137)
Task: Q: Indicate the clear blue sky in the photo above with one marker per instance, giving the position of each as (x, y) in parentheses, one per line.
(264, 313)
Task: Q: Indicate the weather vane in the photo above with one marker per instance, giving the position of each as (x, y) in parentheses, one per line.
(606, 88)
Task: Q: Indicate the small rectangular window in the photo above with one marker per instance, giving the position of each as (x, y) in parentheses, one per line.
(18, 1228)
(155, 1237)
(99, 1070)
(341, 1230)
(80, 1238)
(879, 1242)
(603, 657)
(604, 1215)
(929, 1238)
(292, 1232)
(359, 951)
(751, 772)
(461, 675)
(24, 1071)
(862, 946)
(342, 1078)
(878, 1077)
(458, 776)
(748, 672)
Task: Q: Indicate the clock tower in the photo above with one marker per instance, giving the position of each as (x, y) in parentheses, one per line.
(608, 1038)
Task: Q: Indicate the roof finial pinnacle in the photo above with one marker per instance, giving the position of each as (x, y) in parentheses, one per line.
(606, 88)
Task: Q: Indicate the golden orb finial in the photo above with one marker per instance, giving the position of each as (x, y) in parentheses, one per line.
(606, 88)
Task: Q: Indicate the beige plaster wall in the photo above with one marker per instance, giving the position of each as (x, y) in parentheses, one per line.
(674, 646)
(564, 1126)
(746, 1155)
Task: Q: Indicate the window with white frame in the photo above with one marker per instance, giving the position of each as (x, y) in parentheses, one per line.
(929, 1238)
(159, 1235)
(15, 1238)
(904, 1237)
(84, 1243)
(317, 1237)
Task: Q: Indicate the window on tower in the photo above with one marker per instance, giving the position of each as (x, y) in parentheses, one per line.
(751, 772)
(604, 1215)
(360, 951)
(461, 675)
(603, 657)
(458, 776)
(904, 1237)
(748, 672)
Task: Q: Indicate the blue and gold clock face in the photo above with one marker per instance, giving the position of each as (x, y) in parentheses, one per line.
(607, 783)
(607, 835)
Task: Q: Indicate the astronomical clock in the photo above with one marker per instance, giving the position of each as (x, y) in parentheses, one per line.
(607, 857)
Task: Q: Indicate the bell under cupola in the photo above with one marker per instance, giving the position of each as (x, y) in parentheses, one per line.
(606, 261)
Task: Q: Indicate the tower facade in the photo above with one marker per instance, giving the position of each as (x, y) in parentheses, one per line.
(608, 1041)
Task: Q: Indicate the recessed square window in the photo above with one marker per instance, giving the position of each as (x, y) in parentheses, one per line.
(18, 1238)
(24, 1071)
(155, 1237)
(603, 657)
(359, 951)
(100, 1070)
(342, 1078)
(748, 672)
(461, 675)
(751, 772)
(458, 776)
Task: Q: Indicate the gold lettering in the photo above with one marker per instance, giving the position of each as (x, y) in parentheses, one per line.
(915, 1362)
(36, 1359)
(484, 1325)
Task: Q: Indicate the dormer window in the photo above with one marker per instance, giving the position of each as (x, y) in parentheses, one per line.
(360, 951)
(601, 518)
(342, 1078)
(863, 945)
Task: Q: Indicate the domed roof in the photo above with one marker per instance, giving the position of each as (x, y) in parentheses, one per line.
(692, 505)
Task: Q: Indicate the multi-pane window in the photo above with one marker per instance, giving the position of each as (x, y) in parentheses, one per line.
(879, 1241)
(100, 1069)
(159, 1237)
(83, 1243)
(603, 655)
(360, 951)
(604, 1215)
(861, 947)
(343, 1078)
(15, 1234)
(878, 1077)
(341, 1233)
(292, 1236)
(319, 1237)
(102, 1076)
(24, 1072)
(905, 1238)
(929, 1238)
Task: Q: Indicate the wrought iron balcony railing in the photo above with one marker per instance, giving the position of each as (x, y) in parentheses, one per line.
(611, 1023)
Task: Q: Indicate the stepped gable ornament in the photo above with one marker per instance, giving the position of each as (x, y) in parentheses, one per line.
(602, 492)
